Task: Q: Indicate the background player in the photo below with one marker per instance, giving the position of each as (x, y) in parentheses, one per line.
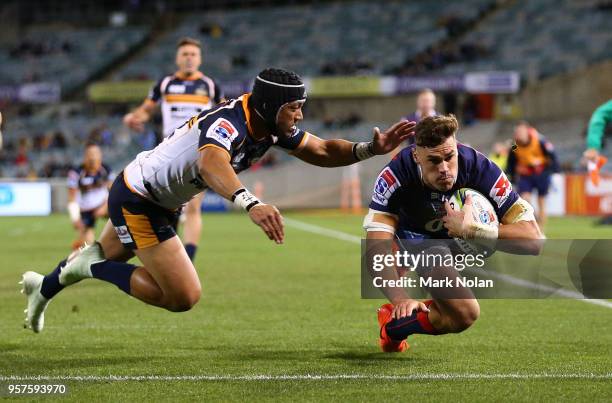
(208, 151)
(88, 186)
(410, 201)
(426, 106)
(182, 95)
(531, 164)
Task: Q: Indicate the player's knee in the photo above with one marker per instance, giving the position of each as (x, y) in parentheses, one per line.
(466, 315)
(184, 301)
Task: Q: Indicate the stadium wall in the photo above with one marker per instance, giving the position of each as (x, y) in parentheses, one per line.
(572, 95)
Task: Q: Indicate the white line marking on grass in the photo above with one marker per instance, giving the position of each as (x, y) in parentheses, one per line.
(343, 236)
(304, 377)
(315, 229)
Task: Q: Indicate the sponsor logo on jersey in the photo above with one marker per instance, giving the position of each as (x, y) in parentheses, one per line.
(223, 132)
(202, 92)
(386, 184)
(176, 89)
(500, 190)
(123, 234)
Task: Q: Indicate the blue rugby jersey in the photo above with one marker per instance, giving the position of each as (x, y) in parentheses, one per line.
(399, 190)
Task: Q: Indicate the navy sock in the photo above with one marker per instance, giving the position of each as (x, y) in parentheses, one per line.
(51, 285)
(191, 250)
(418, 322)
(117, 273)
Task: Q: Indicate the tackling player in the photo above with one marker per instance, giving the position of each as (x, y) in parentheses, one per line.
(208, 151)
(88, 187)
(182, 95)
(410, 201)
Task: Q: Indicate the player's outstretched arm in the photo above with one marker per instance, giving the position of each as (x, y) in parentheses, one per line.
(337, 152)
(380, 237)
(215, 169)
(136, 119)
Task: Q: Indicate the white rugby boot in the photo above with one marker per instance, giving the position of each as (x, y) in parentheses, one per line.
(37, 303)
(78, 264)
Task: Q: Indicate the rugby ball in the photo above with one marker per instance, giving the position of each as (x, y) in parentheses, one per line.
(483, 213)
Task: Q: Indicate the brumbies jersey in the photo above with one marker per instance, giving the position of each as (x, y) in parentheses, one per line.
(93, 187)
(168, 175)
(181, 98)
(400, 191)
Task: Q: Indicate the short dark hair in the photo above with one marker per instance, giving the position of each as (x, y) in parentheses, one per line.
(186, 40)
(434, 130)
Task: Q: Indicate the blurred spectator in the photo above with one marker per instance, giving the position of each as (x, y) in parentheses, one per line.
(106, 136)
(59, 141)
(21, 159)
(425, 107)
(241, 61)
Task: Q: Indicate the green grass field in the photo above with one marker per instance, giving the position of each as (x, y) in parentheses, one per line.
(271, 315)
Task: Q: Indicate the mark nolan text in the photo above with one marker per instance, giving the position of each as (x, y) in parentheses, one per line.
(428, 282)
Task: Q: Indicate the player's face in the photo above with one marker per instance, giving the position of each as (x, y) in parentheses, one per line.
(439, 165)
(188, 59)
(426, 102)
(521, 134)
(92, 159)
(288, 117)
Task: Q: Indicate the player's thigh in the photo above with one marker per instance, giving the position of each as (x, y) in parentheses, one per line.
(112, 246)
(194, 205)
(172, 270)
(146, 229)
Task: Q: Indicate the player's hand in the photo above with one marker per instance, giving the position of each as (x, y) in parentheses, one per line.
(132, 121)
(388, 140)
(405, 307)
(270, 220)
(458, 223)
(591, 155)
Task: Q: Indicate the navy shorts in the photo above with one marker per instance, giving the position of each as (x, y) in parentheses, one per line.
(540, 182)
(88, 219)
(139, 223)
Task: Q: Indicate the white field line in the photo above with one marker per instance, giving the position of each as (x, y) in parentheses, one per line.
(305, 377)
(316, 229)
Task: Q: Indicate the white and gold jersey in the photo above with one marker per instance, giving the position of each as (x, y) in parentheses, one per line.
(169, 176)
(184, 97)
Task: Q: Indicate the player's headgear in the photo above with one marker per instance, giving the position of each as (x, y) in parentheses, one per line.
(273, 89)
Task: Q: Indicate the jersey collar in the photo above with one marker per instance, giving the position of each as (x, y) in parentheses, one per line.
(195, 76)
